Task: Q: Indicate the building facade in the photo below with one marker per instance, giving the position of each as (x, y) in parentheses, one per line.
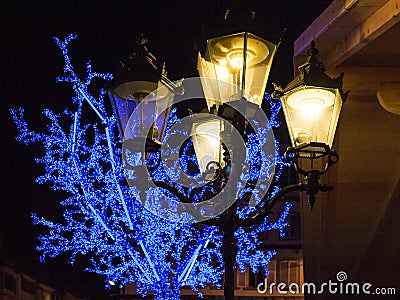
(19, 286)
(355, 229)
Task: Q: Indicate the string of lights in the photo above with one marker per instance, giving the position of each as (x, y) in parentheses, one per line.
(104, 219)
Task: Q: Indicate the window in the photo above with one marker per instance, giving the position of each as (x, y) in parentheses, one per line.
(256, 278)
(241, 279)
(293, 231)
(9, 282)
(27, 286)
(271, 277)
(289, 272)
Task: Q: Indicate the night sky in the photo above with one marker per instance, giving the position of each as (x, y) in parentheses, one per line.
(30, 61)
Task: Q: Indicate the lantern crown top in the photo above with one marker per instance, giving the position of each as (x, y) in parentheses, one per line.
(140, 65)
(238, 17)
(312, 63)
(312, 73)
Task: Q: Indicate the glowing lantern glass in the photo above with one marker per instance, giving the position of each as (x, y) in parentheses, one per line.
(312, 103)
(312, 114)
(243, 60)
(207, 142)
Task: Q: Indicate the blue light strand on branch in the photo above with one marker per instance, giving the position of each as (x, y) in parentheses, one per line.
(105, 221)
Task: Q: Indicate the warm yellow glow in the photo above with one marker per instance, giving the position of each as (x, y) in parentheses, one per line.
(235, 61)
(224, 61)
(206, 142)
(311, 104)
(311, 101)
(223, 72)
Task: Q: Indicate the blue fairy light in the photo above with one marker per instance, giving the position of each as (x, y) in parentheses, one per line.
(105, 221)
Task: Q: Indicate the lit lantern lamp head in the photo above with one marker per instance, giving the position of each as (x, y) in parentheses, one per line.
(311, 104)
(310, 109)
(234, 73)
(207, 143)
(243, 60)
(135, 95)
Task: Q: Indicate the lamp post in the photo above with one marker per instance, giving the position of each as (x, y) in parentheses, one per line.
(244, 61)
(311, 104)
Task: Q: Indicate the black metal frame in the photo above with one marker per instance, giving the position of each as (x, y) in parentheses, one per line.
(310, 73)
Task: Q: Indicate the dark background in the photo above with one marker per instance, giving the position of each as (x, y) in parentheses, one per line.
(30, 61)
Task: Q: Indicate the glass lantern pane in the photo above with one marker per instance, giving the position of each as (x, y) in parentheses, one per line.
(140, 108)
(123, 108)
(311, 114)
(126, 96)
(206, 142)
(335, 117)
(227, 58)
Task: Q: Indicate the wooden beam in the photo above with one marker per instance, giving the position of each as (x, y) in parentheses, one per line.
(366, 81)
(323, 23)
(382, 20)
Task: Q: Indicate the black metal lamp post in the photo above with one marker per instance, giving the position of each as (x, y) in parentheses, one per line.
(311, 103)
(243, 60)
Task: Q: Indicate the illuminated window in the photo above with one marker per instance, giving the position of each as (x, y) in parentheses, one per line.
(256, 278)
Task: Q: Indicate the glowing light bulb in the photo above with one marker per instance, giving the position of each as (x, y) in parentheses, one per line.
(312, 100)
(312, 107)
(235, 59)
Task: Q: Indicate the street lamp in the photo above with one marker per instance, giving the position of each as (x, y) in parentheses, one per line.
(243, 60)
(139, 98)
(236, 68)
(312, 103)
(140, 84)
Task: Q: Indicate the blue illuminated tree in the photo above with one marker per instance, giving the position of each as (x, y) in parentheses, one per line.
(104, 220)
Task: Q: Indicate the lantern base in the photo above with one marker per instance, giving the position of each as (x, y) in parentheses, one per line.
(312, 152)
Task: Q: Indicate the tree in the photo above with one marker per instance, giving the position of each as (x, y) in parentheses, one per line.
(105, 220)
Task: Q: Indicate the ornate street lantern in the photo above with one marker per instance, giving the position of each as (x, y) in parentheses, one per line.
(139, 102)
(243, 60)
(135, 96)
(234, 73)
(138, 98)
(311, 104)
(207, 142)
